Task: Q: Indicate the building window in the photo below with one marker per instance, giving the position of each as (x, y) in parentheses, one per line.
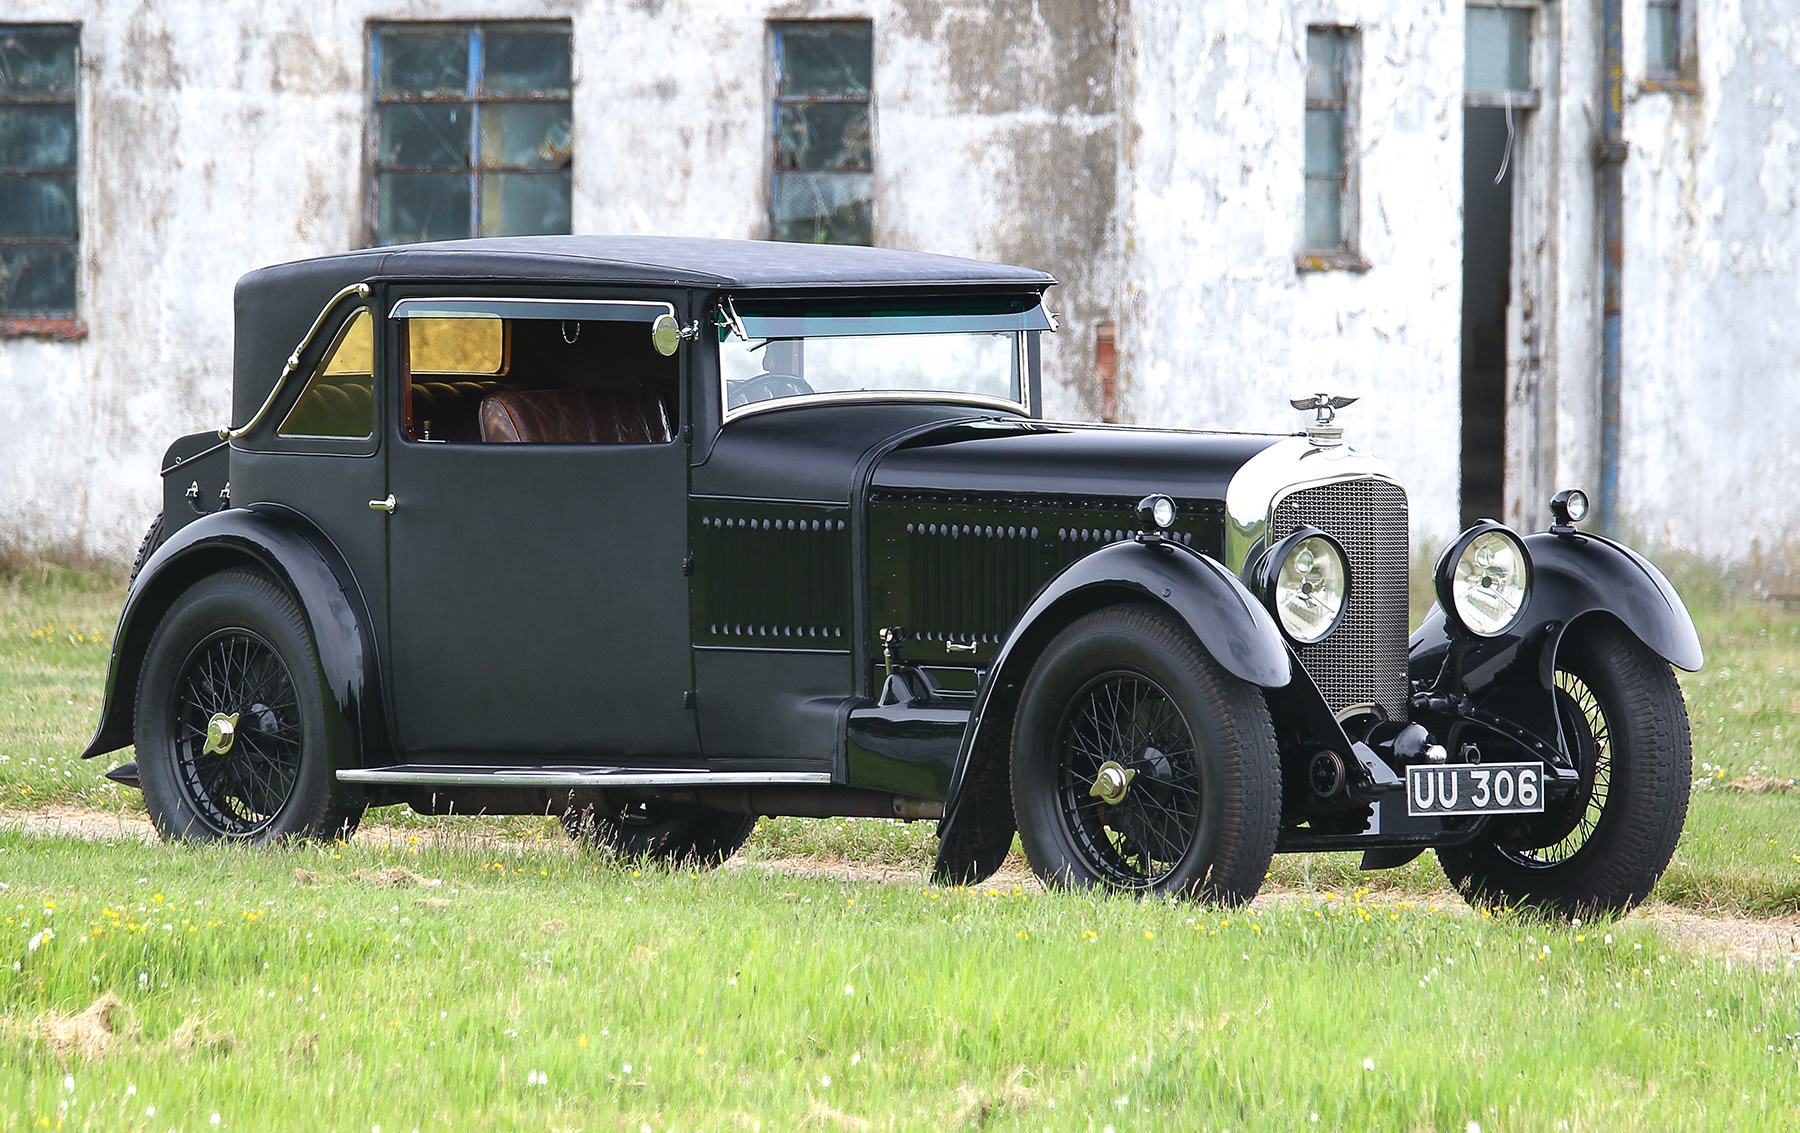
(1332, 65)
(39, 225)
(471, 133)
(824, 139)
(1668, 43)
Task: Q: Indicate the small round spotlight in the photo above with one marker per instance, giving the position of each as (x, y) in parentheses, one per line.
(1484, 579)
(1568, 507)
(1155, 513)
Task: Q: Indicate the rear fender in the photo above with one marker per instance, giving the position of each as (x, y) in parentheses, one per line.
(1228, 621)
(301, 559)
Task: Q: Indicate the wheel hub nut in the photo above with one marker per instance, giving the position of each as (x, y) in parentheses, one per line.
(221, 731)
(1111, 783)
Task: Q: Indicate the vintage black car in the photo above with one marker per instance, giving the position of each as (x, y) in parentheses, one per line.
(662, 535)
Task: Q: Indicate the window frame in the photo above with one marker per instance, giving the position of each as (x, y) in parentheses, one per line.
(778, 100)
(1346, 255)
(1685, 77)
(515, 302)
(472, 95)
(58, 324)
(267, 437)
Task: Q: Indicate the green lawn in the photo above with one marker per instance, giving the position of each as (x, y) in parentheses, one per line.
(470, 973)
(1740, 852)
(535, 988)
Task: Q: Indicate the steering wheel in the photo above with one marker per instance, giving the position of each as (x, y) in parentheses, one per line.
(765, 387)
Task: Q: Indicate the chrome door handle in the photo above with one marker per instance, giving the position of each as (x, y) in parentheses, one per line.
(386, 505)
(959, 647)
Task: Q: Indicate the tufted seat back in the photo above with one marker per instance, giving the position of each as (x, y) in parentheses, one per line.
(620, 415)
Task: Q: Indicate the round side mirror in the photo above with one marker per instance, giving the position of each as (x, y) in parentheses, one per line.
(665, 334)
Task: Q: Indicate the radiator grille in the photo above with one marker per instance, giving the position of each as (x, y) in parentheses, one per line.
(1365, 658)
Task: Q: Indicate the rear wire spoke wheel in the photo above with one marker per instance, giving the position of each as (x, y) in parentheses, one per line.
(660, 831)
(231, 737)
(1140, 764)
(1601, 850)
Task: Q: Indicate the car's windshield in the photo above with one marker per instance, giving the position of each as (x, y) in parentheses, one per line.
(774, 352)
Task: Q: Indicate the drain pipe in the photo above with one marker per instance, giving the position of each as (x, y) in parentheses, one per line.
(1610, 155)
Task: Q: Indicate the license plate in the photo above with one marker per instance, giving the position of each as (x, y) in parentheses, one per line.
(1487, 788)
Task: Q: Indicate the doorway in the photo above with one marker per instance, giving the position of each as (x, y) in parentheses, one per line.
(1507, 175)
(1487, 292)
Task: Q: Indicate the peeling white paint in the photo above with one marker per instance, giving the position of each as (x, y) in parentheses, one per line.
(1149, 154)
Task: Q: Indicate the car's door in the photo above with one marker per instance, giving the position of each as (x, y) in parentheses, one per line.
(538, 610)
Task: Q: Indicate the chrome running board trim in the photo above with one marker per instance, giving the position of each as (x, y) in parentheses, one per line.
(441, 776)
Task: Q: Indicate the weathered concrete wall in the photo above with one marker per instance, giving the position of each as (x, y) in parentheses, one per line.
(221, 136)
(1712, 286)
(1218, 327)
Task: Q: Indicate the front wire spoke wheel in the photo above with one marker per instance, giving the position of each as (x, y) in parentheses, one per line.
(1140, 764)
(1602, 849)
(1584, 721)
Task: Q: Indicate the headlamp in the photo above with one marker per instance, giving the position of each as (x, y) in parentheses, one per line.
(1484, 579)
(1305, 580)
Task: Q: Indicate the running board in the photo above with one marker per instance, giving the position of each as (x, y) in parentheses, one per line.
(429, 775)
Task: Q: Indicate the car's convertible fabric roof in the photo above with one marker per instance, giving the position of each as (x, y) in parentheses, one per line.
(684, 261)
(275, 305)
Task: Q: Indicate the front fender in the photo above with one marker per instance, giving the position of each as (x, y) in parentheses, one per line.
(1577, 577)
(1229, 622)
(301, 559)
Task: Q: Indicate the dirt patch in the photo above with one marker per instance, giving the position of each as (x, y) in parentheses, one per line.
(399, 877)
(1760, 785)
(87, 1035)
(1768, 943)
(76, 822)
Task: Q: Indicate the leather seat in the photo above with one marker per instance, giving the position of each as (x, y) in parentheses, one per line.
(622, 415)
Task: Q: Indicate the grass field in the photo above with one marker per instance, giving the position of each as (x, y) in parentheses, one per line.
(447, 984)
(475, 973)
(1740, 853)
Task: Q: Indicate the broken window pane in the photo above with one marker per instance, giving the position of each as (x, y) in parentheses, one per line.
(824, 135)
(425, 60)
(39, 62)
(524, 204)
(1662, 37)
(529, 62)
(1497, 49)
(422, 206)
(37, 279)
(39, 81)
(523, 135)
(425, 135)
(498, 101)
(37, 137)
(825, 59)
(824, 208)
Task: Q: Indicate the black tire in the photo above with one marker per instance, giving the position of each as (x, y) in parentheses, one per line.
(1601, 852)
(235, 645)
(1130, 685)
(668, 833)
(151, 538)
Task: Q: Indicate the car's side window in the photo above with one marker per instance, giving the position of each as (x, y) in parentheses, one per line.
(486, 380)
(339, 399)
